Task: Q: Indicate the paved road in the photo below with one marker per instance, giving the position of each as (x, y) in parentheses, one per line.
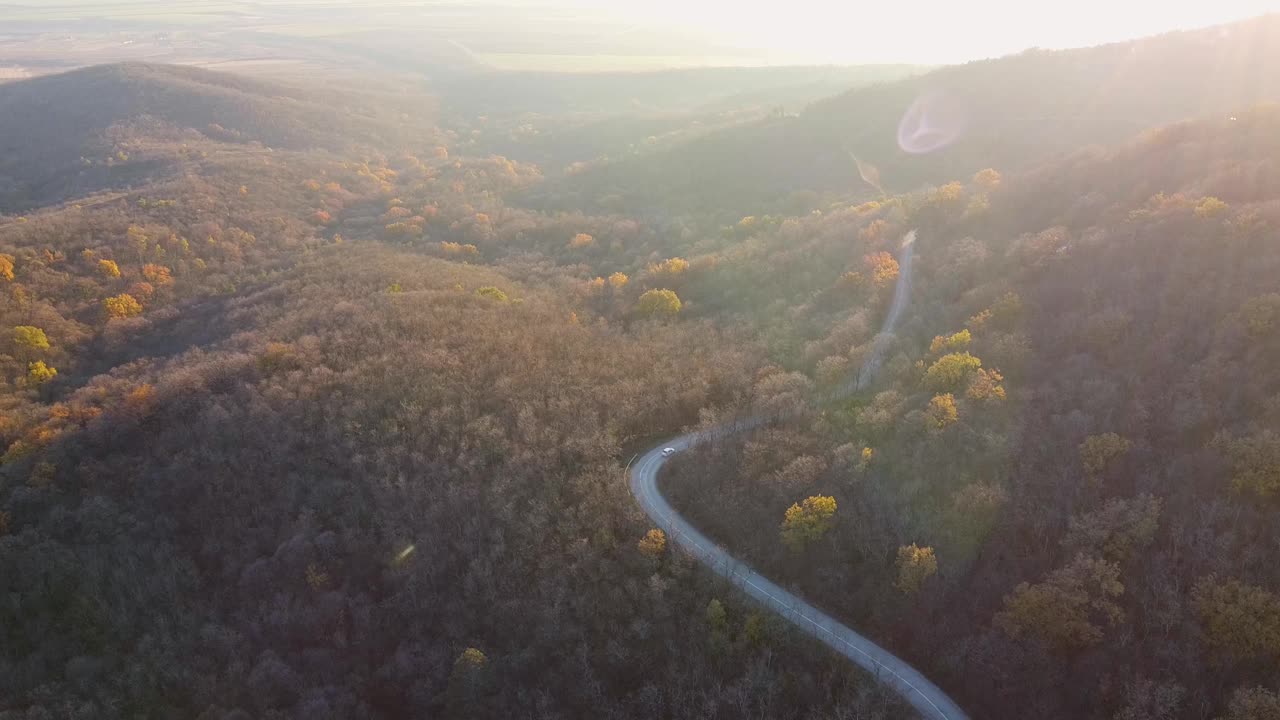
(915, 688)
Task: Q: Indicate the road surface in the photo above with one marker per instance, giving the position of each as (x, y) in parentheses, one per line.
(915, 688)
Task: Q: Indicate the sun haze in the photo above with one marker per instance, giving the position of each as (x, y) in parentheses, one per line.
(927, 31)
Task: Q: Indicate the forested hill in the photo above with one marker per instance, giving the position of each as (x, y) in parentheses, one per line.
(109, 125)
(1061, 497)
(292, 429)
(1013, 113)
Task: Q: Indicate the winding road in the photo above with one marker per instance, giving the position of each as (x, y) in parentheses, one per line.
(915, 688)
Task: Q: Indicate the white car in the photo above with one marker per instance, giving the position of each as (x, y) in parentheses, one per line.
(668, 452)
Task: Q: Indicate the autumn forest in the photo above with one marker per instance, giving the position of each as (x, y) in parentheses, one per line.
(317, 401)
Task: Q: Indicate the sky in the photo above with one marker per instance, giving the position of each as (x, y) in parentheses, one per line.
(924, 31)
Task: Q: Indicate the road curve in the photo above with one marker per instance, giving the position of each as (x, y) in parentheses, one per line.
(915, 688)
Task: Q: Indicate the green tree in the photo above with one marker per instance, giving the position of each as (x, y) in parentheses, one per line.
(1097, 452)
(1255, 703)
(492, 293)
(1210, 207)
(807, 522)
(1261, 315)
(1240, 621)
(717, 618)
(1254, 460)
(915, 565)
(950, 343)
(951, 371)
(658, 304)
(1148, 700)
(1117, 530)
(755, 628)
(941, 412)
(140, 241)
(1067, 610)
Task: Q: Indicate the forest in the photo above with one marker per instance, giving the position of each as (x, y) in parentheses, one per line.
(312, 404)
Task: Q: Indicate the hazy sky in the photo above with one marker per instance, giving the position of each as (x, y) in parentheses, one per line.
(930, 31)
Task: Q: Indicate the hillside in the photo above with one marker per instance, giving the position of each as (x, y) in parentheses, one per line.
(71, 133)
(305, 413)
(1058, 497)
(304, 431)
(1014, 112)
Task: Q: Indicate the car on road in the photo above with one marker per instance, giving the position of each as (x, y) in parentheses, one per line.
(668, 452)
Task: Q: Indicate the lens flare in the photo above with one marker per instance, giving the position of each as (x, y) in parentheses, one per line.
(934, 121)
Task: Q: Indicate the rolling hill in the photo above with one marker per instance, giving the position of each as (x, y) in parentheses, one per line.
(69, 134)
(1014, 112)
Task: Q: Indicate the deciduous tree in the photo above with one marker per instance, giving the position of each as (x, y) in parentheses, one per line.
(108, 269)
(950, 343)
(951, 371)
(38, 373)
(1098, 451)
(1254, 460)
(29, 338)
(1067, 611)
(658, 304)
(1240, 621)
(805, 523)
(1255, 703)
(122, 306)
(941, 411)
(653, 543)
(915, 565)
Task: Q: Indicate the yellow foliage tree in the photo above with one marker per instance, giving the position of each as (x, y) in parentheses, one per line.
(29, 338)
(38, 373)
(915, 565)
(6, 267)
(122, 306)
(1210, 207)
(951, 371)
(108, 269)
(987, 179)
(807, 522)
(459, 250)
(492, 293)
(950, 343)
(985, 386)
(157, 274)
(658, 304)
(941, 411)
(669, 272)
(883, 268)
(618, 280)
(653, 543)
(581, 240)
